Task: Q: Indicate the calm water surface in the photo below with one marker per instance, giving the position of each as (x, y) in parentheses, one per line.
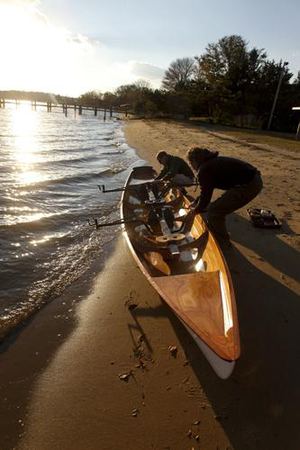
(49, 171)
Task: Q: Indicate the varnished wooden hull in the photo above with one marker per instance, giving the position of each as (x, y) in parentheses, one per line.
(188, 270)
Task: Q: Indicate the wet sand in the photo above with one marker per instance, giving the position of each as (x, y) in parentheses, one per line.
(74, 398)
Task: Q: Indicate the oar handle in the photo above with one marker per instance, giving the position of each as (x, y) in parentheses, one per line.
(104, 190)
(96, 223)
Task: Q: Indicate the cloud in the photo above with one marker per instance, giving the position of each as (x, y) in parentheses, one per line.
(147, 71)
(56, 59)
(80, 39)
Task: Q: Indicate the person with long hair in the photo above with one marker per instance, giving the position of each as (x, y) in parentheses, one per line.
(241, 182)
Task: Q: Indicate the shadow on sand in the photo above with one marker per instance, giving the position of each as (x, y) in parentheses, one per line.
(258, 406)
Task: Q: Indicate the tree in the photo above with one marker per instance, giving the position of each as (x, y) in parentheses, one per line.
(109, 99)
(179, 74)
(296, 81)
(228, 65)
(137, 96)
(229, 70)
(91, 98)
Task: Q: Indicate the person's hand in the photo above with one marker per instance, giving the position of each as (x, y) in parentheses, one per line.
(193, 205)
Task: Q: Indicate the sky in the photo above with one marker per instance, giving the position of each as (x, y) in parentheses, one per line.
(69, 47)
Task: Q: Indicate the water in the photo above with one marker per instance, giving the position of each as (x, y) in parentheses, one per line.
(50, 166)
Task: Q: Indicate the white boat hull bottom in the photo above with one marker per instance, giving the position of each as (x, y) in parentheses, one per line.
(222, 367)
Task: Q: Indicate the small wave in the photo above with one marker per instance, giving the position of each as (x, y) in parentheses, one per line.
(33, 223)
(67, 218)
(55, 275)
(80, 160)
(67, 180)
(118, 152)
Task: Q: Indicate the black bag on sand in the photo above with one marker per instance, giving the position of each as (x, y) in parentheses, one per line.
(263, 218)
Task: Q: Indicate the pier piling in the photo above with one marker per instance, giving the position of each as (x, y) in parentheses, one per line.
(48, 105)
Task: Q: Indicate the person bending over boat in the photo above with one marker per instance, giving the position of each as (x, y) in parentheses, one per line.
(175, 169)
(240, 181)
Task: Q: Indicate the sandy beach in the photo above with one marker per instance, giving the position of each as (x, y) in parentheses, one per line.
(91, 372)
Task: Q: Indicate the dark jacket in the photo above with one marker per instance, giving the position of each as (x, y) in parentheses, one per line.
(174, 166)
(222, 172)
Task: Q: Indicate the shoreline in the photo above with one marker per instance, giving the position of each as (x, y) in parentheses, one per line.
(32, 345)
(74, 398)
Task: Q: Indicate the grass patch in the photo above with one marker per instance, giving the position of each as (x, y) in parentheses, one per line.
(272, 138)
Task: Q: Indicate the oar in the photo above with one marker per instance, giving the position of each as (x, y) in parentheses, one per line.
(117, 222)
(103, 189)
(187, 222)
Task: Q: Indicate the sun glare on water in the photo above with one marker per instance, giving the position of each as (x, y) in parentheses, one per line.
(24, 128)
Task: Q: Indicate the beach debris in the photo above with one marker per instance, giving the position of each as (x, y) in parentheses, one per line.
(141, 365)
(130, 303)
(196, 422)
(192, 435)
(173, 350)
(138, 352)
(125, 376)
(141, 338)
(134, 412)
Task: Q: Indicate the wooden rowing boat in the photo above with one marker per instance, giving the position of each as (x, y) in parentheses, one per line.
(181, 259)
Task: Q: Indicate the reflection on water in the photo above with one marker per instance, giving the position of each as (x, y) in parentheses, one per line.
(49, 171)
(24, 127)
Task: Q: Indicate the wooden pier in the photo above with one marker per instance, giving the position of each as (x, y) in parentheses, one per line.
(66, 108)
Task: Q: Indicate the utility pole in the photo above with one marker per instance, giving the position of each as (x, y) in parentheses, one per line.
(277, 93)
(297, 108)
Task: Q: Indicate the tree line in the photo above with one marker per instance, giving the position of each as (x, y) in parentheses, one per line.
(229, 83)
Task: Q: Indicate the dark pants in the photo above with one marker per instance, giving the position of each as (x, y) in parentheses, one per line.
(229, 202)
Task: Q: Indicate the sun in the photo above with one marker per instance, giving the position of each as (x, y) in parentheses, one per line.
(40, 56)
(36, 52)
